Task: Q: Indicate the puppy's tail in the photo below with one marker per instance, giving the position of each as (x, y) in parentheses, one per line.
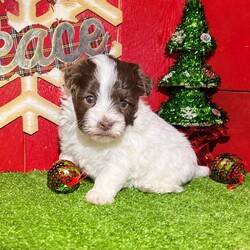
(201, 171)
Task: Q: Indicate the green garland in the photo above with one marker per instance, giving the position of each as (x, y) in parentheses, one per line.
(190, 71)
(191, 107)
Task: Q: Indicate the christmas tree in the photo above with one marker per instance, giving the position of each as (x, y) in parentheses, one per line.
(187, 80)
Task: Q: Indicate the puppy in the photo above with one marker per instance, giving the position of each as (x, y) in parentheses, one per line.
(114, 136)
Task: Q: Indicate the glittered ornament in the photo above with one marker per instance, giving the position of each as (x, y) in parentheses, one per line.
(178, 36)
(64, 177)
(205, 37)
(229, 169)
(208, 73)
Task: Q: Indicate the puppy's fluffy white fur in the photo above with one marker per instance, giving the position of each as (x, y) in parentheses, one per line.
(148, 153)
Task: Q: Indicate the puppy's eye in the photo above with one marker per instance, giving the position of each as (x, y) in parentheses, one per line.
(123, 104)
(91, 100)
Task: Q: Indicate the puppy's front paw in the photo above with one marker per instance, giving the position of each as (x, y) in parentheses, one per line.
(98, 198)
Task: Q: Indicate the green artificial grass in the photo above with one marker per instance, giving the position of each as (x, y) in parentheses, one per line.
(205, 216)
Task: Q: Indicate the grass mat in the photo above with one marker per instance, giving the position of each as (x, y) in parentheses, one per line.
(205, 216)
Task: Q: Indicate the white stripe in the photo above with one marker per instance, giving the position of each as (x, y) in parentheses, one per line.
(106, 75)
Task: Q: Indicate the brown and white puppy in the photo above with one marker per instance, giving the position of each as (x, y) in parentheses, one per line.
(112, 134)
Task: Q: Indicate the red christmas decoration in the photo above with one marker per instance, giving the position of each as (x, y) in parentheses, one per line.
(229, 169)
(64, 177)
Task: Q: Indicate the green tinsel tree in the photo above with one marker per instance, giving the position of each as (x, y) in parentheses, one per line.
(189, 105)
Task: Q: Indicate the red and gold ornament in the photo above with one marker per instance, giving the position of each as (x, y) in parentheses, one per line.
(229, 169)
(64, 177)
(208, 73)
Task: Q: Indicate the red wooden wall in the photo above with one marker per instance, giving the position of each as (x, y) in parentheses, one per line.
(147, 26)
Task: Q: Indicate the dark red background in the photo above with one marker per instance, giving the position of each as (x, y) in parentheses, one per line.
(147, 26)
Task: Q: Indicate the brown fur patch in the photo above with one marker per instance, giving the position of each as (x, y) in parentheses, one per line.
(80, 80)
(130, 85)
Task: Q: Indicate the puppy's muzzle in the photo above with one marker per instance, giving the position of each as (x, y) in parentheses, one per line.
(105, 125)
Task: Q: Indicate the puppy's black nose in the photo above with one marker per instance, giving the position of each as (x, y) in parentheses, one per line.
(105, 125)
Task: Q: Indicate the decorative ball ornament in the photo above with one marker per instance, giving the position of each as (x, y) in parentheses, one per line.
(205, 37)
(216, 112)
(208, 73)
(229, 169)
(64, 177)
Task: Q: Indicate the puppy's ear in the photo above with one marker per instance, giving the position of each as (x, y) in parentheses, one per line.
(71, 74)
(144, 83)
(78, 74)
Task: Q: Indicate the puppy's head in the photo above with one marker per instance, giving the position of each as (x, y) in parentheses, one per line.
(105, 93)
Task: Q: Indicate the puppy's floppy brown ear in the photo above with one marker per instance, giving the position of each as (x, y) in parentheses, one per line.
(76, 74)
(145, 83)
(67, 72)
(72, 76)
(71, 73)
